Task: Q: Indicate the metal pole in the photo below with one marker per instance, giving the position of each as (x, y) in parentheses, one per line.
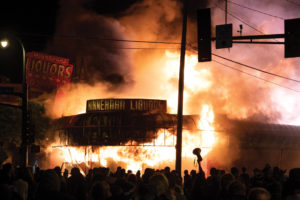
(180, 91)
(250, 42)
(254, 37)
(24, 144)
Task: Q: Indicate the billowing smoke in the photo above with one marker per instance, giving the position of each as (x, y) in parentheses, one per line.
(87, 38)
(239, 95)
(110, 65)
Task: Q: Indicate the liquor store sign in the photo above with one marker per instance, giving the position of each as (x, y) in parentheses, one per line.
(45, 71)
(126, 105)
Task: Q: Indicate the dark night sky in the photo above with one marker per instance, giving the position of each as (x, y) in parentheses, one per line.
(25, 19)
(29, 19)
(34, 22)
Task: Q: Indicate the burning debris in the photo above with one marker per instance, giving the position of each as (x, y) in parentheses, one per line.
(133, 130)
(111, 122)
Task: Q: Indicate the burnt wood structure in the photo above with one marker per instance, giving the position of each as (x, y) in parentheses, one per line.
(110, 122)
(137, 122)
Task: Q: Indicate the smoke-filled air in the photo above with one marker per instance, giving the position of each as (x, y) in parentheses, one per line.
(116, 68)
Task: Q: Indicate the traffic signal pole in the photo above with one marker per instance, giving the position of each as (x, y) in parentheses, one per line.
(250, 38)
(180, 91)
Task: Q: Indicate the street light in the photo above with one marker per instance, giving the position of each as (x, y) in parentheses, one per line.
(24, 146)
(4, 43)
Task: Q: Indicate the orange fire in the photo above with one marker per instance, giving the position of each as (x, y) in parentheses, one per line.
(161, 152)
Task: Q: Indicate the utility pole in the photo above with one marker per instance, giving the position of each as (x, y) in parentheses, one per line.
(180, 90)
(225, 11)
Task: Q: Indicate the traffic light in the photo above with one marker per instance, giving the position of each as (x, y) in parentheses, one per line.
(292, 38)
(204, 35)
(223, 36)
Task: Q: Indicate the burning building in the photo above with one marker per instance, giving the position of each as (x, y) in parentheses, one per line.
(141, 132)
(110, 122)
(220, 98)
(132, 128)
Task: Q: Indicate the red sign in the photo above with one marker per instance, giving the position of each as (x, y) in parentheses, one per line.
(47, 72)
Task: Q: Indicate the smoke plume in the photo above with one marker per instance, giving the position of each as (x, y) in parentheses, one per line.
(147, 70)
(88, 39)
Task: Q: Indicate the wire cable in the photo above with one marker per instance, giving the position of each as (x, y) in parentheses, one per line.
(99, 38)
(292, 2)
(240, 20)
(256, 76)
(256, 10)
(277, 75)
(243, 21)
(119, 48)
(133, 48)
(254, 68)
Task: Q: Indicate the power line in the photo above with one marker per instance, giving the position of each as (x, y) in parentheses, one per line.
(256, 10)
(137, 41)
(256, 69)
(120, 48)
(292, 2)
(99, 38)
(243, 21)
(143, 48)
(256, 77)
(133, 48)
(240, 20)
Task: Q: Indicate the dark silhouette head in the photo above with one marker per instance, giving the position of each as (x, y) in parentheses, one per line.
(57, 170)
(235, 172)
(258, 193)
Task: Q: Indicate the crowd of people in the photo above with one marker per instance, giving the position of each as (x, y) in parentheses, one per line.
(102, 184)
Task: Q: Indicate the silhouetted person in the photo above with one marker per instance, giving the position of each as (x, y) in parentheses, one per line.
(257, 179)
(292, 184)
(278, 174)
(7, 174)
(160, 187)
(226, 180)
(100, 191)
(235, 172)
(244, 177)
(199, 187)
(76, 184)
(66, 174)
(213, 184)
(258, 193)
(138, 176)
(237, 190)
(271, 184)
(63, 182)
(20, 185)
(187, 183)
(49, 187)
(197, 152)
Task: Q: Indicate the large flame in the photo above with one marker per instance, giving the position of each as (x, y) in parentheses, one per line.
(161, 152)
